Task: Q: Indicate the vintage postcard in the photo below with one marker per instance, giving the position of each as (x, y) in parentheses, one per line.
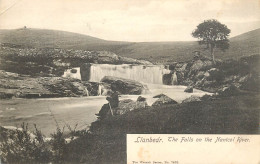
(129, 81)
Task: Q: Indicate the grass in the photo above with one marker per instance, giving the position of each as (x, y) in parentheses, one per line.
(230, 115)
(105, 142)
(244, 44)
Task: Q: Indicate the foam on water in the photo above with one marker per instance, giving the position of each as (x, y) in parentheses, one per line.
(143, 73)
(71, 74)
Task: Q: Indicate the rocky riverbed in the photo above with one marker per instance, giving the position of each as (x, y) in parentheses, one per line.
(201, 73)
(22, 86)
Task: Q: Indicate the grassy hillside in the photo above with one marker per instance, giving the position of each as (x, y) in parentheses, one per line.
(242, 45)
(41, 38)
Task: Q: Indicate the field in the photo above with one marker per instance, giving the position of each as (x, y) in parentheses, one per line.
(242, 45)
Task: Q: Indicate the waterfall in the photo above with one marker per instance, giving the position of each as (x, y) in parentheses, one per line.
(143, 73)
(174, 79)
(99, 90)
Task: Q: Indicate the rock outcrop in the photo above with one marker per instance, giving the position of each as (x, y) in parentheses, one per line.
(125, 86)
(189, 89)
(15, 85)
(53, 61)
(229, 91)
(201, 73)
(191, 99)
(129, 105)
(163, 100)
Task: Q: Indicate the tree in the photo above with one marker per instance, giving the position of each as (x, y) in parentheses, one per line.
(213, 34)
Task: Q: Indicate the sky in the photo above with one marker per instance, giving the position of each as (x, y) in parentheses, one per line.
(130, 20)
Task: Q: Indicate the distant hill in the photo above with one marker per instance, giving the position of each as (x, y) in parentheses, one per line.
(241, 45)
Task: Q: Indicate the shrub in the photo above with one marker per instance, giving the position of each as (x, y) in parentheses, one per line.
(24, 146)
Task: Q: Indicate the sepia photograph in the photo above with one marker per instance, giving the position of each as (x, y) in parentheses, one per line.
(84, 81)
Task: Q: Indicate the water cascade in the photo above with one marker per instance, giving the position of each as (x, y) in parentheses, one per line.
(174, 79)
(72, 73)
(152, 74)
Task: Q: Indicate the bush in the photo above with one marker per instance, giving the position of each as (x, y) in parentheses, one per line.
(23, 146)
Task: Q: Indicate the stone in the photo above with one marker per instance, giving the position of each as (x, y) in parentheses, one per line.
(140, 98)
(159, 96)
(200, 65)
(191, 99)
(231, 90)
(200, 75)
(167, 79)
(197, 65)
(163, 100)
(129, 105)
(73, 70)
(189, 89)
(181, 67)
(107, 57)
(125, 86)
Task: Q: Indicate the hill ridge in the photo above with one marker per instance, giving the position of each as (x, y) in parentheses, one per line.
(240, 45)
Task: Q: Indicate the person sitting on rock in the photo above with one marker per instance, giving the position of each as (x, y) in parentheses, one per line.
(107, 109)
(113, 99)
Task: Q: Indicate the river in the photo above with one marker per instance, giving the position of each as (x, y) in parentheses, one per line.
(71, 111)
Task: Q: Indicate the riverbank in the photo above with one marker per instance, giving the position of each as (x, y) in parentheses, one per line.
(230, 115)
(105, 142)
(23, 86)
(203, 74)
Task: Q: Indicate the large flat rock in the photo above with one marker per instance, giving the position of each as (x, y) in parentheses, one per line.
(125, 86)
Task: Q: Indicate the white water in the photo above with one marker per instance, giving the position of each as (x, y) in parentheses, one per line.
(175, 92)
(82, 110)
(146, 74)
(69, 73)
(174, 79)
(73, 111)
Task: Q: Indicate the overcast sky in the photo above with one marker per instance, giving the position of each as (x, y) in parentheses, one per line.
(130, 20)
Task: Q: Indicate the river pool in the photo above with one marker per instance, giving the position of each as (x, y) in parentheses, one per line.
(70, 110)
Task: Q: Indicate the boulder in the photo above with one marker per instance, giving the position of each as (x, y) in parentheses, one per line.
(128, 105)
(197, 65)
(181, 67)
(159, 96)
(251, 83)
(73, 70)
(107, 57)
(215, 74)
(180, 77)
(125, 86)
(140, 98)
(207, 97)
(231, 90)
(163, 100)
(79, 89)
(167, 79)
(4, 95)
(170, 79)
(191, 99)
(200, 75)
(200, 65)
(189, 89)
